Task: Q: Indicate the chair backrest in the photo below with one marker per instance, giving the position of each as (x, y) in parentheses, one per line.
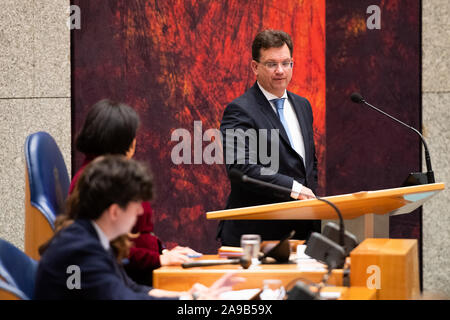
(17, 270)
(47, 184)
(47, 174)
(10, 292)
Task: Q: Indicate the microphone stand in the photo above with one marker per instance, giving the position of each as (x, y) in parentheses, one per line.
(430, 174)
(341, 220)
(244, 178)
(204, 263)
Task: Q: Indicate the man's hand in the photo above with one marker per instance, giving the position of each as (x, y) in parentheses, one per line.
(223, 284)
(201, 292)
(306, 194)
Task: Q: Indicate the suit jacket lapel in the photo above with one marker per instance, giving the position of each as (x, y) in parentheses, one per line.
(268, 112)
(88, 225)
(300, 112)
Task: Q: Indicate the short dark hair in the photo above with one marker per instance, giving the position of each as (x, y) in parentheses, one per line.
(108, 180)
(270, 39)
(110, 128)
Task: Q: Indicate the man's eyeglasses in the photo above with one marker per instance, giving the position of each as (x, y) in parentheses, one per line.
(274, 65)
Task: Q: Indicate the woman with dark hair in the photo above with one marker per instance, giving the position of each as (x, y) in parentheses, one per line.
(110, 128)
(78, 263)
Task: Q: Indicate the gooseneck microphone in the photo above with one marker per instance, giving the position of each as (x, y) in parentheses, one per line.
(238, 176)
(357, 98)
(245, 263)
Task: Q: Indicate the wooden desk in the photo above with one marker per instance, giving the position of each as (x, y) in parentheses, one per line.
(353, 293)
(178, 279)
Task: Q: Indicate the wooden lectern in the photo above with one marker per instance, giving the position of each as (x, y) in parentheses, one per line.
(391, 266)
(372, 205)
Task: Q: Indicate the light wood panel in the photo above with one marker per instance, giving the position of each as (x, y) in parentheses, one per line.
(179, 279)
(389, 265)
(6, 295)
(37, 229)
(393, 201)
(353, 293)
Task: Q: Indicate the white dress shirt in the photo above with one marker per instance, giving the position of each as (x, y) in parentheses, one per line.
(101, 235)
(294, 130)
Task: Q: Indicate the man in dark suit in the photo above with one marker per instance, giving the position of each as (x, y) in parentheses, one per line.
(269, 115)
(78, 262)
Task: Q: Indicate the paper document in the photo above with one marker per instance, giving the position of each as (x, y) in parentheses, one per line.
(245, 294)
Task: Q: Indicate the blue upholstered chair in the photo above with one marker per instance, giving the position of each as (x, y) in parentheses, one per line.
(47, 184)
(10, 292)
(17, 273)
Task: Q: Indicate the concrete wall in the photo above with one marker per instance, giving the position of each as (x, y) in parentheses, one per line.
(436, 128)
(34, 95)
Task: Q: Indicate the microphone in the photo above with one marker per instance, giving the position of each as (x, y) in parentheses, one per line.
(323, 249)
(357, 98)
(280, 252)
(332, 231)
(245, 263)
(238, 176)
(301, 291)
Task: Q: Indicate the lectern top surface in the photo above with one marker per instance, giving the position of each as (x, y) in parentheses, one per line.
(388, 201)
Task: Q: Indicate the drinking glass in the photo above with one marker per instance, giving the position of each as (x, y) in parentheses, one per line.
(250, 244)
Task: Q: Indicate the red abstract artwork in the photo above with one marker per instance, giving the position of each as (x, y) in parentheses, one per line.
(366, 150)
(177, 62)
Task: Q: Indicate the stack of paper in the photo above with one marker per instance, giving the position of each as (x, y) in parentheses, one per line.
(226, 251)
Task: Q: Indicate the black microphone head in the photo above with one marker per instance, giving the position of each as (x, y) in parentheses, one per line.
(280, 251)
(356, 97)
(236, 175)
(245, 263)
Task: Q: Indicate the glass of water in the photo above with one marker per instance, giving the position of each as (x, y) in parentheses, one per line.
(250, 244)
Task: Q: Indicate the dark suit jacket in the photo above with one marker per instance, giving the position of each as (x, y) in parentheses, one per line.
(101, 277)
(253, 111)
(144, 255)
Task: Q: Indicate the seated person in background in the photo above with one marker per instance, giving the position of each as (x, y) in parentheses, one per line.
(78, 262)
(110, 128)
